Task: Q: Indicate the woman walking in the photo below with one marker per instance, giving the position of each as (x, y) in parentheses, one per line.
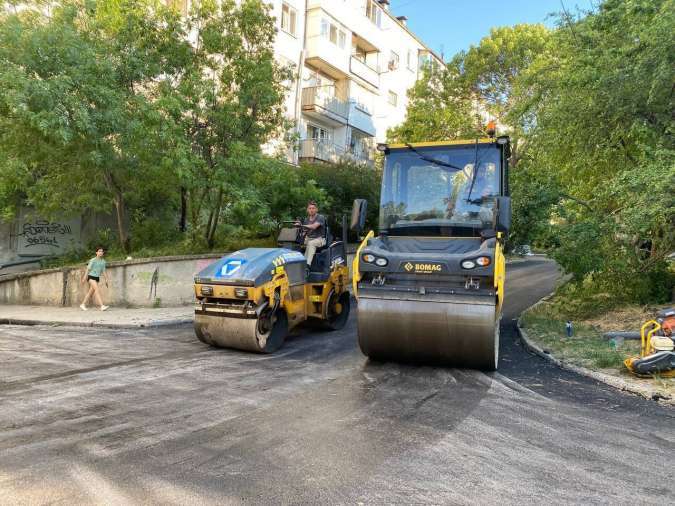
(95, 269)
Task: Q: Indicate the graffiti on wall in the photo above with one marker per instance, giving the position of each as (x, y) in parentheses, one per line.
(43, 237)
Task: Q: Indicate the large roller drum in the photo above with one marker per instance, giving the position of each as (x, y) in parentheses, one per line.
(456, 331)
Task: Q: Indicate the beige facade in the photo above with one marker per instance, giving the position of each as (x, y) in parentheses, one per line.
(355, 62)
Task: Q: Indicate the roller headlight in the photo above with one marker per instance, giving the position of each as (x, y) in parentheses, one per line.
(381, 262)
(483, 261)
(207, 290)
(468, 264)
(368, 258)
(241, 293)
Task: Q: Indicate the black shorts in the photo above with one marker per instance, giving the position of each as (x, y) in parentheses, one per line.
(95, 278)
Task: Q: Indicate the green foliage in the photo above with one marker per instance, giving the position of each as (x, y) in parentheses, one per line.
(78, 129)
(126, 106)
(438, 109)
(545, 324)
(589, 110)
(342, 183)
(226, 99)
(604, 129)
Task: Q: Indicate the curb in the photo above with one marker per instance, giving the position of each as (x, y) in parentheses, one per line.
(149, 324)
(607, 379)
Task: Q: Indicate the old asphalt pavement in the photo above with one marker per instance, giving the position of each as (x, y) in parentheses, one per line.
(154, 416)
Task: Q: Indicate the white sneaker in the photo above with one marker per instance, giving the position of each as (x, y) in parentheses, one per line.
(103, 308)
(83, 307)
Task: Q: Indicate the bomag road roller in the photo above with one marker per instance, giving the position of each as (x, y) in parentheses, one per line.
(249, 300)
(430, 285)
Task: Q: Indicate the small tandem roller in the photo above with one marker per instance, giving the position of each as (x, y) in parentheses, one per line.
(430, 286)
(249, 300)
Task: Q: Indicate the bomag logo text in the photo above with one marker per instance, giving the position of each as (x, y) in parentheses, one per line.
(423, 268)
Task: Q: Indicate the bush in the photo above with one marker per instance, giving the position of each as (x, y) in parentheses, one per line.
(343, 183)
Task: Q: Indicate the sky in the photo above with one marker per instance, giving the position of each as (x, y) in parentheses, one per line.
(448, 26)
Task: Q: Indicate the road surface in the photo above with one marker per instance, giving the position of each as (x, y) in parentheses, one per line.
(118, 417)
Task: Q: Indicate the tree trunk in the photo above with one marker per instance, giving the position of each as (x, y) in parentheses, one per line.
(182, 226)
(120, 212)
(213, 224)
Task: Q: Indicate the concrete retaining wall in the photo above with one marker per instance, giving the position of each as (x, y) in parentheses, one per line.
(164, 281)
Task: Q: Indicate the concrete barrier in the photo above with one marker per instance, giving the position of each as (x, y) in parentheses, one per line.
(147, 282)
(165, 281)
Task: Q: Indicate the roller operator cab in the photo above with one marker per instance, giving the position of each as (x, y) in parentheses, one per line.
(250, 299)
(430, 285)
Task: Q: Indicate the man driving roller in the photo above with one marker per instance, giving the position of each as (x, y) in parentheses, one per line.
(315, 230)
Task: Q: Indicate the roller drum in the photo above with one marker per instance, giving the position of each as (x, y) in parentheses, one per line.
(463, 333)
(240, 333)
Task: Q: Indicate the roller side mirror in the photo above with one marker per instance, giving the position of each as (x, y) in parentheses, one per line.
(502, 215)
(359, 209)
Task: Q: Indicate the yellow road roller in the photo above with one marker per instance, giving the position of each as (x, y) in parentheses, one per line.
(430, 284)
(250, 299)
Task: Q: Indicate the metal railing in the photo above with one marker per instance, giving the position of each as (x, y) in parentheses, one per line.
(324, 99)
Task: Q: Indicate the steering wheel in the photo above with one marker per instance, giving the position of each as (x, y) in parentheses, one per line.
(302, 232)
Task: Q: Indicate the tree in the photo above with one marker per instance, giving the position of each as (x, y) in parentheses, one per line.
(78, 129)
(226, 100)
(604, 129)
(439, 108)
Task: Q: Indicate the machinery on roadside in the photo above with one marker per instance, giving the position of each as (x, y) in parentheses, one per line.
(250, 299)
(430, 285)
(657, 338)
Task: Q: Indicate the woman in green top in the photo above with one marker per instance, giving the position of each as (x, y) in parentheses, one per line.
(95, 269)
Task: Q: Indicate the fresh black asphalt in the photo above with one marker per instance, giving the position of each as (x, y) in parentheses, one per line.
(156, 417)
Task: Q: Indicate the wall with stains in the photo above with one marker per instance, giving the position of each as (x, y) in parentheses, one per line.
(165, 281)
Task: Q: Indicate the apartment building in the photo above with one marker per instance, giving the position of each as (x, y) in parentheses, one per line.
(355, 61)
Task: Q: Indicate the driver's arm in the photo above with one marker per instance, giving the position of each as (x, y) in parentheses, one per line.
(313, 226)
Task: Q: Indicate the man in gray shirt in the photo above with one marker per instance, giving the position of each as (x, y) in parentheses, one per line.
(315, 231)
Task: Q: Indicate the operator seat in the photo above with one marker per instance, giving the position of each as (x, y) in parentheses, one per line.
(319, 271)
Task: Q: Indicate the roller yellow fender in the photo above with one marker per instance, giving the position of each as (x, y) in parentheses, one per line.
(356, 273)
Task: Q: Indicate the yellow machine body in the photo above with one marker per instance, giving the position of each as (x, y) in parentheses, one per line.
(651, 344)
(256, 312)
(430, 285)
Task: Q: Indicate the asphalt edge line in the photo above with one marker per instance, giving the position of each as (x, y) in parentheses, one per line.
(54, 323)
(612, 381)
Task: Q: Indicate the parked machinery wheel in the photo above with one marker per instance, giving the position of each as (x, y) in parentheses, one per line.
(337, 311)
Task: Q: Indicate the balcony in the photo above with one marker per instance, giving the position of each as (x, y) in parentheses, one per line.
(364, 71)
(320, 150)
(361, 118)
(327, 57)
(324, 102)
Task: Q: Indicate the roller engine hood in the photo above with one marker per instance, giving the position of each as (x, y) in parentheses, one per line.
(248, 267)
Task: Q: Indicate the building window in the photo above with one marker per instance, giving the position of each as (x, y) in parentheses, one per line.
(393, 61)
(331, 32)
(317, 133)
(373, 12)
(342, 40)
(289, 18)
(410, 60)
(393, 99)
(425, 61)
(360, 54)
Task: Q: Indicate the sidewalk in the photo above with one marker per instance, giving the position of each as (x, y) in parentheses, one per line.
(114, 317)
